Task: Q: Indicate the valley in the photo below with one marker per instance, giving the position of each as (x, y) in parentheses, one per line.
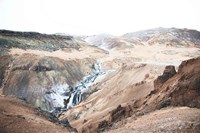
(146, 81)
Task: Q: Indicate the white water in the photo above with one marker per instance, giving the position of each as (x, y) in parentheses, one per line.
(58, 93)
(83, 85)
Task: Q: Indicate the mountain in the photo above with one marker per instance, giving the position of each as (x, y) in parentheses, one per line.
(167, 36)
(101, 83)
(164, 36)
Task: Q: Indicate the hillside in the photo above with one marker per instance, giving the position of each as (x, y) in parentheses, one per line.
(170, 90)
(16, 116)
(131, 93)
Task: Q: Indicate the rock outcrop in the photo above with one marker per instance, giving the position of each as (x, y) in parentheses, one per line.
(182, 89)
(167, 74)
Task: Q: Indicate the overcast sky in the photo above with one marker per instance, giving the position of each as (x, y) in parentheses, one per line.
(97, 16)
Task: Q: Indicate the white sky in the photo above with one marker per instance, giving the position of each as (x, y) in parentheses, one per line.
(97, 16)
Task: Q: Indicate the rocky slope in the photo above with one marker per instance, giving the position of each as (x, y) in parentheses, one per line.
(172, 119)
(120, 99)
(16, 116)
(170, 90)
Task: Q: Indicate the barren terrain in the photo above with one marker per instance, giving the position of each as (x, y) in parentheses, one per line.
(139, 82)
(16, 116)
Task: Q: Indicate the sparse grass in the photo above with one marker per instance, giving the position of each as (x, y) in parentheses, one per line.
(45, 44)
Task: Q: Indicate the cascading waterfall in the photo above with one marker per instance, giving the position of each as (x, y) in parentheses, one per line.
(63, 97)
(83, 85)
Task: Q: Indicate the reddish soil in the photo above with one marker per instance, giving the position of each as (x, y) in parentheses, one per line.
(18, 117)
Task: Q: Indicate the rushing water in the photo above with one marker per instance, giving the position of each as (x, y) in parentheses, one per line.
(65, 96)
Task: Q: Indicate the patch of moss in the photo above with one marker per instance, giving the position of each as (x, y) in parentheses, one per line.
(45, 44)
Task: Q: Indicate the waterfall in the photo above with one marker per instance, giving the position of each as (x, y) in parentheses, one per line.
(56, 95)
(83, 85)
(65, 96)
(70, 104)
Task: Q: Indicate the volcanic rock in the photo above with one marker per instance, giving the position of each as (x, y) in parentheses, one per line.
(168, 73)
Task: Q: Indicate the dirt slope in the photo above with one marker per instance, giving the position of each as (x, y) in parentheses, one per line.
(18, 117)
(171, 89)
(125, 86)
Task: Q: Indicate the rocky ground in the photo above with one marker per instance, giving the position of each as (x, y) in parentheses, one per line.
(173, 119)
(138, 85)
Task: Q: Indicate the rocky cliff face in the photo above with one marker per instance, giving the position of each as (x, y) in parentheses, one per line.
(182, 89)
